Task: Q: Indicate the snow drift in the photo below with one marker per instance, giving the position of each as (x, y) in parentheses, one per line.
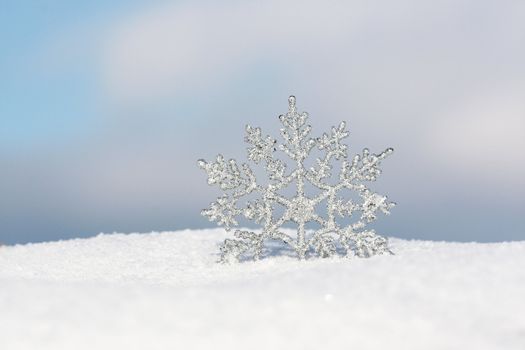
(166, 291)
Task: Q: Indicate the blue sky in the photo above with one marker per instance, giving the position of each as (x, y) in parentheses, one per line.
(105, 106)
(40, 105)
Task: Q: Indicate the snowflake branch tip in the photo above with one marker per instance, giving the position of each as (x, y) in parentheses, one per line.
(291, 101)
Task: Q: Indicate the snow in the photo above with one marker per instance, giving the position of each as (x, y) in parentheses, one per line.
(166, 291)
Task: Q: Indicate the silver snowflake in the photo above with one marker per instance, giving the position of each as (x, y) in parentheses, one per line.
(332, 236)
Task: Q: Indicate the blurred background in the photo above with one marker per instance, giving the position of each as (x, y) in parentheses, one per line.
(105, 106)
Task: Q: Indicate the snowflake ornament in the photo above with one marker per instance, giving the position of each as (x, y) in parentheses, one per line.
(238, 181)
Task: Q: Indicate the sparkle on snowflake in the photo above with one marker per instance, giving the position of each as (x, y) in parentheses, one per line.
(236, 181)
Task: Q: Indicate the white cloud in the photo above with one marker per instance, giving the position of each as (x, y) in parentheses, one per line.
(483, 137)
(182, 47)
(408, 71)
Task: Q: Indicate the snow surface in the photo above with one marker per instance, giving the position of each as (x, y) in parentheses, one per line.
(166, 291)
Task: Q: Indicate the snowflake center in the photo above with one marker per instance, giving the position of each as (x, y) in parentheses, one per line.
(301, 209)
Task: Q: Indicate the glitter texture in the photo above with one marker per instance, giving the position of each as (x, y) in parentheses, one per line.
(238, 181)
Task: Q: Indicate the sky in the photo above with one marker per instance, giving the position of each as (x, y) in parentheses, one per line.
(106, 106)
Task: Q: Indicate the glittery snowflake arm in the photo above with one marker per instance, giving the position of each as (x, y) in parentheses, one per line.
(232, 249)
(228, 176)
(223, 211)
(333, 148)
(363, 167)
(235, 181)
(262, 149)
(295, 133)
